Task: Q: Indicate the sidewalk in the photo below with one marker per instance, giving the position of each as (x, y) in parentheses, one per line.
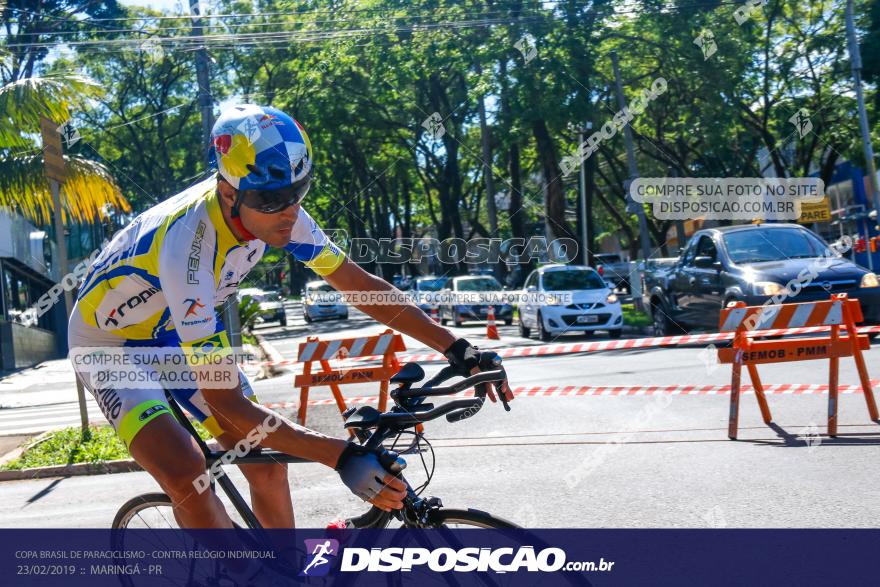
(50, 382)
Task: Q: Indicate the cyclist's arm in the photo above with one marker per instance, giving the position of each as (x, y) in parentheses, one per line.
(309, 244)
(204, 340)
(404, 317)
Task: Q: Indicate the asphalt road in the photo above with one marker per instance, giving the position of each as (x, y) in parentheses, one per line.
(588, 461)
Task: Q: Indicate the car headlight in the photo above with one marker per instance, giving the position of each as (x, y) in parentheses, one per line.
(870, 280)
(767, 288)
(611, 299)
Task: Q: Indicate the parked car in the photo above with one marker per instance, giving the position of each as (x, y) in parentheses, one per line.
(613, 269)
(459, 313)
(751, 263)
(594, 305)
(320, 302)
(271, 304)
(423, 287)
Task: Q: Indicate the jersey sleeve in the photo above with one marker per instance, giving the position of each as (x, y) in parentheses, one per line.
(186, 273)
(308, 243)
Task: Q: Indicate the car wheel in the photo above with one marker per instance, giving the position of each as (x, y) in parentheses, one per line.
(306, 317)
(443, 320)
(543, 333)
(343, 316)
(661, 324)
(508, 322)
(283, 321)
(524, 331)
(456, 319)
(615, 333)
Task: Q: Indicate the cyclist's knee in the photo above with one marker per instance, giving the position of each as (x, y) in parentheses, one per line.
(167, 452)
(266, 475)
(183, 476)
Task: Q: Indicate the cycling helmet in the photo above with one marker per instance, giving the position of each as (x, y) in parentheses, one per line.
(260, 148)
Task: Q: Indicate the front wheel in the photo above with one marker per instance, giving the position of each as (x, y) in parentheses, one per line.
(439, 518)
(543, 334)
(447, 517)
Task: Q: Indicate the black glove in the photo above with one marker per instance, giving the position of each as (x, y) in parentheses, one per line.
(462, 357)
(362, 469)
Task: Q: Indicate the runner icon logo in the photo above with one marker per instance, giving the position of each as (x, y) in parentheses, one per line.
(321, 553)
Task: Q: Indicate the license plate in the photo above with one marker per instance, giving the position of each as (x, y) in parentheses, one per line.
(587, 319)
(326, 310)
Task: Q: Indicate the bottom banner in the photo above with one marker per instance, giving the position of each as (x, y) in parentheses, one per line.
(438, 557)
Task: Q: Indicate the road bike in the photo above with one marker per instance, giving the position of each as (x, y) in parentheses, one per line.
(153, 510)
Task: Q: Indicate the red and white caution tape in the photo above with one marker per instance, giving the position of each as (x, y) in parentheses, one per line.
(617, 390)
(591, 347)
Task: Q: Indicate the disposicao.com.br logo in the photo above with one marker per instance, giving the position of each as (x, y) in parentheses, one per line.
(321, 553)
(499, 560)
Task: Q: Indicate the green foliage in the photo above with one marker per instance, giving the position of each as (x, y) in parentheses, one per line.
(365, 76)
(248, 312)
(70, 445)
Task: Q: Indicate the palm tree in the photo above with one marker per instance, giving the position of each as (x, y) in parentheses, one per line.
(24, 187)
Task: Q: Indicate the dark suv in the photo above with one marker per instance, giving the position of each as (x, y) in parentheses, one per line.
(752, 263)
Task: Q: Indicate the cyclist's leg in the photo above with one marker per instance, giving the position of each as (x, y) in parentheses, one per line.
(168, 452)
(270, 490)
(156, 441)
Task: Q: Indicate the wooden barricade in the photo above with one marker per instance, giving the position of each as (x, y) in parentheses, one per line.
(321, 352)
(838, 312)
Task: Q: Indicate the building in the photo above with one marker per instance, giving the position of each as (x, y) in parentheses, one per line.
(28, 270)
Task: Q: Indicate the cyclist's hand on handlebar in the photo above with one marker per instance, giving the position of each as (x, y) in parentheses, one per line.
(366, 473)
(467, 359)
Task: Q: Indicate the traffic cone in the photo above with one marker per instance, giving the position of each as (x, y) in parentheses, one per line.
(435, 314)
(491, 329)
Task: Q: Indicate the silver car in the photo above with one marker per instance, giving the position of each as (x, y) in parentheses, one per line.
(320, 302)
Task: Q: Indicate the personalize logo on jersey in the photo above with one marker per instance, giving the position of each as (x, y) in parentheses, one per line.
(229, 275)
(195, 250)
(194, 305)
(321, 552)
(251, 255)
(150, 411)
(130, 301)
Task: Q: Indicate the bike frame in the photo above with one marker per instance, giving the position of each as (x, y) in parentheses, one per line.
(416, 510)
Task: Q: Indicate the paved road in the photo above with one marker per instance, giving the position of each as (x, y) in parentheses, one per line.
(589, 461)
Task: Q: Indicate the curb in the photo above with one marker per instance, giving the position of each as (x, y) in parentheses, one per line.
(109, 467)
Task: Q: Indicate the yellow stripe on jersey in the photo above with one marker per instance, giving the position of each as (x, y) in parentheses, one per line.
(327, 261)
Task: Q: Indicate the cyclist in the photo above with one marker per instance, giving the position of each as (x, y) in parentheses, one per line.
(157, 285)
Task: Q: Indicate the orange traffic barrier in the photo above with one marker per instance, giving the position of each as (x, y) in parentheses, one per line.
(321, 352)
(837, 312)
(491, 328)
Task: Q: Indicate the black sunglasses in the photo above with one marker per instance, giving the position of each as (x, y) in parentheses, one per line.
(274, 201)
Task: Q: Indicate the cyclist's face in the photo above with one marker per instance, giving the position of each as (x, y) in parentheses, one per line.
(273, 229)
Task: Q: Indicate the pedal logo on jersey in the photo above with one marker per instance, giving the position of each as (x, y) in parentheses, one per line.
(195, 250)
(321, 554)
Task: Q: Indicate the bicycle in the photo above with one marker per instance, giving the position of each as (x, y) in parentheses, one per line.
(409, 411)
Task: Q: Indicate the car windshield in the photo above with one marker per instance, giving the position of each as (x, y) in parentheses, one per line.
(572, 280)
(479, 284)
(430, 284)
(324, 287)
(755, 246)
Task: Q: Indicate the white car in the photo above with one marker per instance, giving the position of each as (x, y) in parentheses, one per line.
(271, 304)
(321, 301)
(594, 305)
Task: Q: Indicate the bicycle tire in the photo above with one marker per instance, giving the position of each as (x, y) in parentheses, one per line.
(471, 517)
(130, 508)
